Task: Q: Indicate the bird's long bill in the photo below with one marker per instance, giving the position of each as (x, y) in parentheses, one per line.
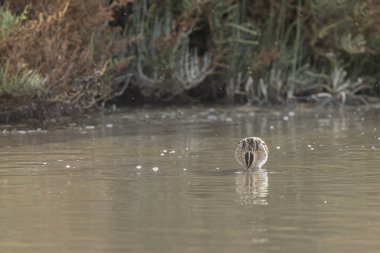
(248, 157)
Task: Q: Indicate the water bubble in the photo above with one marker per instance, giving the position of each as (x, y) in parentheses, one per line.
(278, 147)
(155, 169)
(138, 167)
(68, 166)
(271, 127)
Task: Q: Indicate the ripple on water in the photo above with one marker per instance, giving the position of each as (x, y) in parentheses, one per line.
(120, 192)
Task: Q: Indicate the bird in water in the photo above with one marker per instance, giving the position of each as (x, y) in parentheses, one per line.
(251, 152)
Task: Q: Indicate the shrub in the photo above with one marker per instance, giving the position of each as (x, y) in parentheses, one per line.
(66, 44)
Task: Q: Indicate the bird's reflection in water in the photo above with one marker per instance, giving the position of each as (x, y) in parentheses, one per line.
(252, 187)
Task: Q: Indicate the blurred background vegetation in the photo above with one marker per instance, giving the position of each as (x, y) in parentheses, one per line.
(63, 57)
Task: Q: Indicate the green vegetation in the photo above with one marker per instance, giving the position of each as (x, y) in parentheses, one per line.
(255, 51)
(80, 54)
(23, 83)
(9, 21)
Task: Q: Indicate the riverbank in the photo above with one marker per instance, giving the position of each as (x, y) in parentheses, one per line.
(70, 58)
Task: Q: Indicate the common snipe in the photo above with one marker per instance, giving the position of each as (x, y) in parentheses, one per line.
(251, 152)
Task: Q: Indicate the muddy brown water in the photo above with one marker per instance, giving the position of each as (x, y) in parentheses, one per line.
(166, 180)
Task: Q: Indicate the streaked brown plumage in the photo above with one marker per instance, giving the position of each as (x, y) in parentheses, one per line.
(251, 152)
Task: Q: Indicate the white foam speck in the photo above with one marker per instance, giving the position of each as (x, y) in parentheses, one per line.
(286, 118)
(271, 127)
(172, 152)
(90, 127)
(162, 154)
(59, 160)
(109, 125)
(278, 147)
(184, 169)
(138, 167)
(68, 166)
(309, 146)
(155, 169)
(311, 149)
(212, 117)
(164, 151)
(217, 168)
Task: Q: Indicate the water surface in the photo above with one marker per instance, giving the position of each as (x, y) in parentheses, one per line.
(166, 180)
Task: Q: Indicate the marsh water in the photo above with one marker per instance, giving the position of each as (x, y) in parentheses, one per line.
(166, 180)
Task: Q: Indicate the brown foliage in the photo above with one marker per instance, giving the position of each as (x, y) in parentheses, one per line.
(68, 44)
